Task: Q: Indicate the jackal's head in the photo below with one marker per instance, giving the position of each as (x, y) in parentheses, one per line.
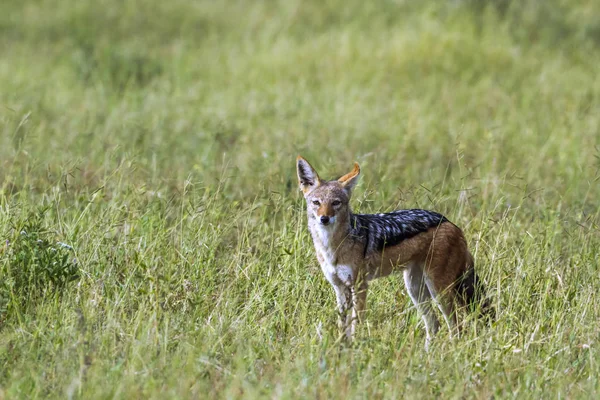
(327, 201)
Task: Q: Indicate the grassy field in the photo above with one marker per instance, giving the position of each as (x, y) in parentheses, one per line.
(153, 240)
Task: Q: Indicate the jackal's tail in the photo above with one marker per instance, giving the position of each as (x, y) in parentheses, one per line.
(472, 294)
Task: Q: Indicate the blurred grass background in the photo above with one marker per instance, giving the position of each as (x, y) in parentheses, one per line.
(151, 145)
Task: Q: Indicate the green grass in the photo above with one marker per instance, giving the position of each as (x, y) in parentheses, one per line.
(158, 140)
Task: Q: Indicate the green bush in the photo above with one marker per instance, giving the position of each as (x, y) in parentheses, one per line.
(34, 264)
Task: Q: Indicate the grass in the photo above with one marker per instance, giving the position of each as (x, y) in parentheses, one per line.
(157, 140)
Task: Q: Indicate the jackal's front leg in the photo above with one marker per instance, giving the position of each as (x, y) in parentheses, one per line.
(359, 303)
(344, 295)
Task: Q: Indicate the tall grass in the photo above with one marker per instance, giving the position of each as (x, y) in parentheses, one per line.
(158, 139)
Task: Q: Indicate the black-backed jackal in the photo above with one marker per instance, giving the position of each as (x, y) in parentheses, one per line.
(354, 249)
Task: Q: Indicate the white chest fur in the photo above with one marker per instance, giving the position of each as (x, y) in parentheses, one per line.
(337, 274)
(322, 239)
(322, 234)
(333, 271)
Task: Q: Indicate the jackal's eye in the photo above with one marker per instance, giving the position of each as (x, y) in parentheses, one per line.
(316, 202)
(336, 203)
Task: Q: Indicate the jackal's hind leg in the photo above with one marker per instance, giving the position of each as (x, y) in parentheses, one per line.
(447, 306)
(445, 301)
(420, 296)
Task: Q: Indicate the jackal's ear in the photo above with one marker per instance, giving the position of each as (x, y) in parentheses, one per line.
(349, 180)
(308, 179)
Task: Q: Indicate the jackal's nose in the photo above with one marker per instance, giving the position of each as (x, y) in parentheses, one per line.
(324, 219)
